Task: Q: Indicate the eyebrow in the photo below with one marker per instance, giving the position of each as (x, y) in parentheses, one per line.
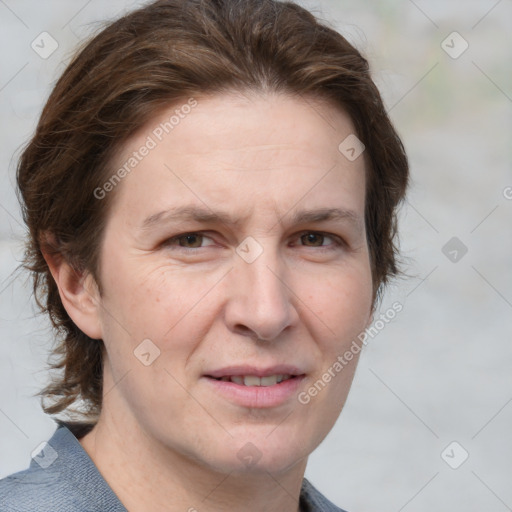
(206, 215)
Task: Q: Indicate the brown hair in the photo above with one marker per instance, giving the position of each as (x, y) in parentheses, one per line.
(158, 55)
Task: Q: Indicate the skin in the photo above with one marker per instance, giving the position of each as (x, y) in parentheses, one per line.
(261, 158)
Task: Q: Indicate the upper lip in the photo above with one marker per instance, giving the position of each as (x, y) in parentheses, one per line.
(244, 370)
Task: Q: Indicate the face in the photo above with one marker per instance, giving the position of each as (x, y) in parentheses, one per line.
(234, 257)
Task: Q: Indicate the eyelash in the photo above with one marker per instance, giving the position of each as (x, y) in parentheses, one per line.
(337, 241)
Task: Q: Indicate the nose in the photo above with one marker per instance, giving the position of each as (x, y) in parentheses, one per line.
(260, 300)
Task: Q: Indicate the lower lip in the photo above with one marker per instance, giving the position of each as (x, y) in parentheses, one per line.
(257, 396)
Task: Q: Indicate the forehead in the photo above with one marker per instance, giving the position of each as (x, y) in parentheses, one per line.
(246, 149)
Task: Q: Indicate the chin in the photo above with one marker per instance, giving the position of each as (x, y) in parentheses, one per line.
(261, 453)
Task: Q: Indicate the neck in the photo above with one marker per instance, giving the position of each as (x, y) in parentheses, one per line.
(147, 476)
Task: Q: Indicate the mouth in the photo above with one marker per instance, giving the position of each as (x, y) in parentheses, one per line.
(254, 380)
(248, 386)
(245, 375)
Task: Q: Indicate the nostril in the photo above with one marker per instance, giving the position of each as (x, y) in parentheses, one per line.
(245, 331)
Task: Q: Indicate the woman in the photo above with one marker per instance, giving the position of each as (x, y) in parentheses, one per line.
(210, 195)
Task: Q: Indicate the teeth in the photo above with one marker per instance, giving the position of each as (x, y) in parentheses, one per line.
(271, 380)
(253, 380)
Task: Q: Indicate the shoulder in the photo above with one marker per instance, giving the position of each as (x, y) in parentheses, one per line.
(312, 500)
(61, 478)
(37, 489)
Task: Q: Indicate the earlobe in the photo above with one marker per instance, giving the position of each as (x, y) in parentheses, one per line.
(78, 292)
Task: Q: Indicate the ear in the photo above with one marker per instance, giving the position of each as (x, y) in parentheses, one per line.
(78, 292)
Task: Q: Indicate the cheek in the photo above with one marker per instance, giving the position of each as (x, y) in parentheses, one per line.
(341, 301)
(136, 291)
(169, 306)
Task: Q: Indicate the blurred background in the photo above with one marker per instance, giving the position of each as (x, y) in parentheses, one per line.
(427, 425)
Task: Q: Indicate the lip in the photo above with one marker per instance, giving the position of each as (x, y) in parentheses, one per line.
(230, 371)
(258, 397)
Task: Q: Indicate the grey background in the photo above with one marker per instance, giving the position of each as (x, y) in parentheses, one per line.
(441, 370)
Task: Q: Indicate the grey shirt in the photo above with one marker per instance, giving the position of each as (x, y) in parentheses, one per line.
(63, 478)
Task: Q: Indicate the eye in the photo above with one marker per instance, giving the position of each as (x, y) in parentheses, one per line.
(189, 241)
(313, 239)
(316, 239)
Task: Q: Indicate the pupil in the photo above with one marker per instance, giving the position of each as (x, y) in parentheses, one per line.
(313, 239)
(191, 241)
